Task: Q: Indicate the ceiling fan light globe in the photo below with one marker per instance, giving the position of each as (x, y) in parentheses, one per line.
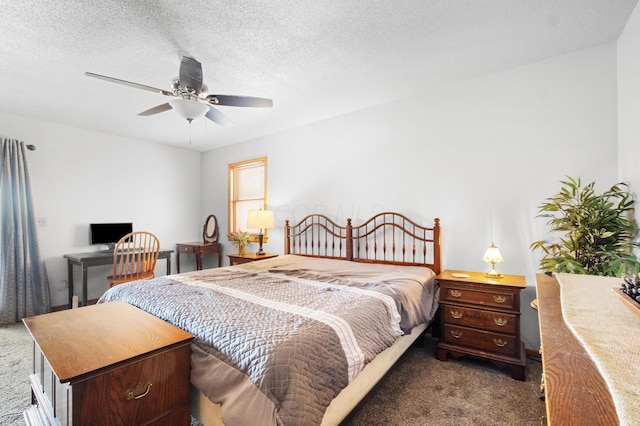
(188, 109)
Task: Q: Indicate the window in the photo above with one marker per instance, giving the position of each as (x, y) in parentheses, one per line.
(247, 191)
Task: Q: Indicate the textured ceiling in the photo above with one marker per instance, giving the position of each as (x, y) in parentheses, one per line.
(315, 59)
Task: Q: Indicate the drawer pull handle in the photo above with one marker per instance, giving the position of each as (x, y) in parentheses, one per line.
(456, 314)
(456, 293)
(500, 343)
(457, 334)
(500, 321)
(139, 391)
(499, 299)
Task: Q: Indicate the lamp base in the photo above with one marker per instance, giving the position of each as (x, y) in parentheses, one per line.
(260, 252)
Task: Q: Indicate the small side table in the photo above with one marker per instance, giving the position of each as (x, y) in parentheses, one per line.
(480, 317)
(237, 259)
(198, 249)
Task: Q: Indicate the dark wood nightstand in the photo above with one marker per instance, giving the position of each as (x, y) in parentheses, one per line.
(108, 364)
(481, 317)
(237, 259)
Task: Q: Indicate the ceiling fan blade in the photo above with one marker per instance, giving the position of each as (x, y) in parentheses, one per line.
(129, 83)
(218, 117)
(240, 101)
(190, 74)
(156, 110)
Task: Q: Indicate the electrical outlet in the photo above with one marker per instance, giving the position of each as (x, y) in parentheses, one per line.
(41, 222)
(63, 285)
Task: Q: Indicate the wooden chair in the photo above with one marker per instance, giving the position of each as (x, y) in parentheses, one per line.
(134, 257)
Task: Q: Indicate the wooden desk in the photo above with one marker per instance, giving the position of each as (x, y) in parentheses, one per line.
(198, 249)
(97, 258)
(108, 364)
(575, 392)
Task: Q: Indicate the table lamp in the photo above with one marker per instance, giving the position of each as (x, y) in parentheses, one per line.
(492, 256)
(260, 219)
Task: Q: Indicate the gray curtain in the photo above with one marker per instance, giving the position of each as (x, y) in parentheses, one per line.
(24, 286)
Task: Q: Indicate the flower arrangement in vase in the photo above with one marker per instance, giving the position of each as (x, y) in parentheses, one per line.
(241, 240)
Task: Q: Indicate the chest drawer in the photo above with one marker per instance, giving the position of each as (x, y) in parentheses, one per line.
(473, 296)
(476, 318)
(480, 339)
(140, 392)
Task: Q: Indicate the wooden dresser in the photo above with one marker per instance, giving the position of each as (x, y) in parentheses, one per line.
(575, 392)
(108, 364)
(481, 317)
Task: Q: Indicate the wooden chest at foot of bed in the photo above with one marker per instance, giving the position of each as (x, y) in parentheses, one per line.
(480, 317)
(108, 364)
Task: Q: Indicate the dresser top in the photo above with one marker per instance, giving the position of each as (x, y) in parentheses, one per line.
(80, 342)
(480, 278)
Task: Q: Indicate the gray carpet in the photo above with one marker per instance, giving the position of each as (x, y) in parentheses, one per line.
(419, 391)
(15, 367)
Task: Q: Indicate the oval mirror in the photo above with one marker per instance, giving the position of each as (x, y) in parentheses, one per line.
(210, 231)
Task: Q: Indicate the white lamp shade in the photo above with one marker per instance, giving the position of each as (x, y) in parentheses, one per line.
(188, 109)
(260, 219)
(492, 255)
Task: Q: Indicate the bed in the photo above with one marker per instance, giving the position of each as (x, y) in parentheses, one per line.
(301, 338)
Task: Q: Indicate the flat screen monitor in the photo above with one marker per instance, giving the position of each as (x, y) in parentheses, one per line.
(108, 233)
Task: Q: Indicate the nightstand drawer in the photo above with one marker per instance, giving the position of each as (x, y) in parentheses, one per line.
(492, 342)
(460, 294)
(487, 320)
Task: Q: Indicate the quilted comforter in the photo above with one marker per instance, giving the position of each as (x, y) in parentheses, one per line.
(277, 340)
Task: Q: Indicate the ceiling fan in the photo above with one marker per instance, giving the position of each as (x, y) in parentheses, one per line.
(189, 95)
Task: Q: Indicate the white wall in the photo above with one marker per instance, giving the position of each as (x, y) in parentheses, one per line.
(79, 177)
(480, 154)
(629, 104)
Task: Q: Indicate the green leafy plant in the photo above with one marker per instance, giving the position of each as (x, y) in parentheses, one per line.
(597, 231)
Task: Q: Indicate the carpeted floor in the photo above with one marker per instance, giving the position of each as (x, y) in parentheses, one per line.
(16, 354)
(419, 391)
